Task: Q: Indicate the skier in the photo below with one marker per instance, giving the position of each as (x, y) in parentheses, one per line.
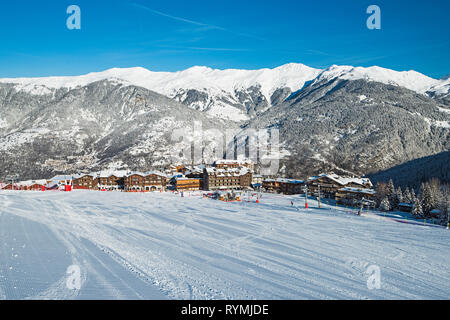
(292, 203)
(360, 210)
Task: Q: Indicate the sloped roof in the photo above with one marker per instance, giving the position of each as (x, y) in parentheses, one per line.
(284, 180)
(158, 173)
(342, 180)
(358, 190)
(32, 182)
(230, 161)
(61, 177)
(80, 175)
(229, 172)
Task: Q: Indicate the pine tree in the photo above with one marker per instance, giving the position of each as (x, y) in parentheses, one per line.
(380, 192)
(417, 211)
(407, 196)
(444, 204)
(384, 205)
(392, 195)
(398, 198)
(435, 193)
(426, 199)
(413, 196)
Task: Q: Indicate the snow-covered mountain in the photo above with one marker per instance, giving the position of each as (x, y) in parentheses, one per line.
(234, 94)
(352, 118)
(229, 93)
(356, 125)
(411, 80)
(98, 126)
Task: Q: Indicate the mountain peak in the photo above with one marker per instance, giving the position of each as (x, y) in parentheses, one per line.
(290, 75)
(412, 80)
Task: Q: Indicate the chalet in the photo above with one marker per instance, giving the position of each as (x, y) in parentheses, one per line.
(32, 185)
(111, 181)
(355, 196)
(186, 184)
(227, 178)
(154, 181)
(405, 207)
(9, 186)
(86, 181)
(329, 184)
(196, 173)
(134, 181)
(285, 186)
(174, 169)
(435, 213)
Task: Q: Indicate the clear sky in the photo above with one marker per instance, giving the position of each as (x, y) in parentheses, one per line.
(248, 34)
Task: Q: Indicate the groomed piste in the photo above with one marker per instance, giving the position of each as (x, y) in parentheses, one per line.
(164, 246)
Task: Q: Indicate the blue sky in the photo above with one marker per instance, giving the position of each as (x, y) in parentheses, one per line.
(248, 34)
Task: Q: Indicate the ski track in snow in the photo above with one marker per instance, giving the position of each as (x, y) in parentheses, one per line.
(159, 245)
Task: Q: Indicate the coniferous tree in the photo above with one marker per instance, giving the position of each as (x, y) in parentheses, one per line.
(381, 192)
(391, 194)
(413, 196)
(435, 191)
(426, 199)
(384, 205)
(444, 204)
(417, 210)
(398, 198)
(407, 196)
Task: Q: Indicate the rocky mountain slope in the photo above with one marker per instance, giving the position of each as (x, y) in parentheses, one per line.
(104, 124)
(356, 126)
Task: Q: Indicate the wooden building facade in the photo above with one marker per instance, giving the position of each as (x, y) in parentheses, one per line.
(227, 179)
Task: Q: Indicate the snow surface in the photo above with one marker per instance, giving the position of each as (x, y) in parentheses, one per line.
(215, 81)
(219, 82)
(412, 80)
(160, 245)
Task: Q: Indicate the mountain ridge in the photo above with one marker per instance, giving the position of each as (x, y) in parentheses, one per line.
(344, 118)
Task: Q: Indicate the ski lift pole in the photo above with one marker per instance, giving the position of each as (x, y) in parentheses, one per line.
(318, 199)
(306, 197)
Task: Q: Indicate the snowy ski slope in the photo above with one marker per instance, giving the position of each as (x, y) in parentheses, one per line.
(163, 246)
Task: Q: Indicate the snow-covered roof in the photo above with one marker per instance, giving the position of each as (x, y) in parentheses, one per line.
(32, 182)
(404, 204)
(228, 171)
(138, 173)
(61, 178)
(284, 180)
(80, 175)
(342, 180)
(230, 162)
(184, 178)
(158, 173)
(115, 173)
(358, 190)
